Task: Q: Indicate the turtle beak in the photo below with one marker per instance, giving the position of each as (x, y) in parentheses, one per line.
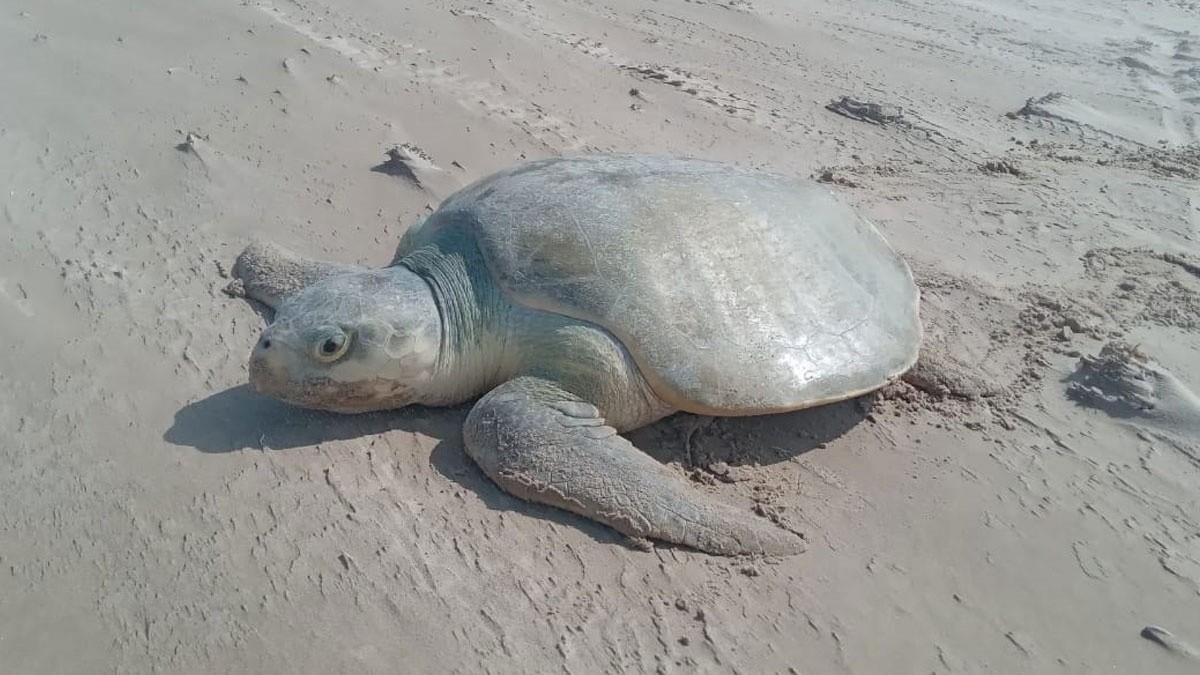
(267, 374)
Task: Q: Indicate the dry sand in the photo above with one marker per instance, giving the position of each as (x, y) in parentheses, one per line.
(1010, 507)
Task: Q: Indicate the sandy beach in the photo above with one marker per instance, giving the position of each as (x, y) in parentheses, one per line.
(1027, 500)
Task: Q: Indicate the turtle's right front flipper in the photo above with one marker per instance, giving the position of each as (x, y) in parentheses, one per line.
(267, 273)
(541, 443)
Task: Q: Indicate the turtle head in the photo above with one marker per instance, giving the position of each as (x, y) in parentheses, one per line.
(351, 343)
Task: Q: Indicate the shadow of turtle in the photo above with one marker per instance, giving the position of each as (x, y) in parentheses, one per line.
(700, 441)
(240, 419)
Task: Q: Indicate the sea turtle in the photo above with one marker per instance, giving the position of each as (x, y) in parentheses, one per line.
(586, 296)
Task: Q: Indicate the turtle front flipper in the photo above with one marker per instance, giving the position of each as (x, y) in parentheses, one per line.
(541, 443)
(267, 273)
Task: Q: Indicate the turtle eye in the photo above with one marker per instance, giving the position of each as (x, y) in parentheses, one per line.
(331, 346)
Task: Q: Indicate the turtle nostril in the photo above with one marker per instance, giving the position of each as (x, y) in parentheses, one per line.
(266, 343)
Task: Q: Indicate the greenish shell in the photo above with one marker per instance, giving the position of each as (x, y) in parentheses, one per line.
(736, 292)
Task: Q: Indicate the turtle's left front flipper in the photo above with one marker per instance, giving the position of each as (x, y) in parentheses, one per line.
(541, 443)
(267, 273)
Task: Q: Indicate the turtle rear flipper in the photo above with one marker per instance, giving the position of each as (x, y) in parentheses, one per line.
(541, 443)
